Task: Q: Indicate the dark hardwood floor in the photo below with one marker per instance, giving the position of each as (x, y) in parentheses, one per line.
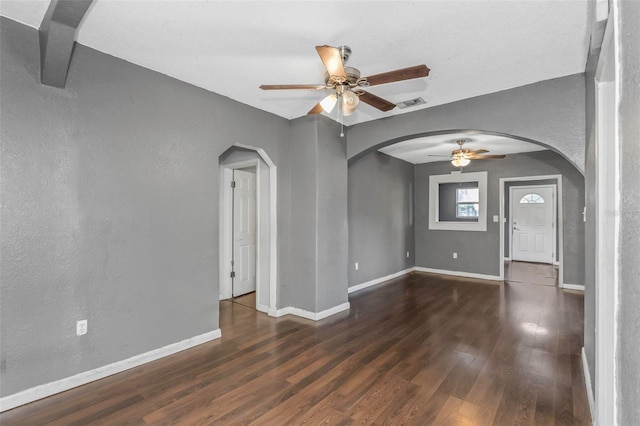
(422, 349)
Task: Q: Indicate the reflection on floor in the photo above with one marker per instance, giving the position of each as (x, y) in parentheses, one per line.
(248, 300)
(533, 273)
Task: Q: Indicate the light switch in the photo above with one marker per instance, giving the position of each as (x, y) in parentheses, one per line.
(496, 218)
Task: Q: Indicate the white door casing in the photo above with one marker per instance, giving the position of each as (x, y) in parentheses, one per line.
(506, 230)
(266, 232)
(607, 166)
(244, 232)
(533, 225)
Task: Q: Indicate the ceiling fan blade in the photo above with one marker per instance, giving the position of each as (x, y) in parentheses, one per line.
(435, 155)
(479, 151)
(293, 87)
(375, 101)
(332, 60)
(316, 109)
(399, 75)
(486, 157)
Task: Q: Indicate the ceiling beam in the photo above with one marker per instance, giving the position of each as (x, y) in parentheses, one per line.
(57, 36)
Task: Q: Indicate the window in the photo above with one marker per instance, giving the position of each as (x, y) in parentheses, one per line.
(467, 202)
(464, 210)
(532, 198)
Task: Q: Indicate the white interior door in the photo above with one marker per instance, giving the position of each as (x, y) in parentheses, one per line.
(244, 232)
(533, 224)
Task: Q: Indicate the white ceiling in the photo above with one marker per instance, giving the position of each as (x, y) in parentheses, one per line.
(473, 47)
(438, 147)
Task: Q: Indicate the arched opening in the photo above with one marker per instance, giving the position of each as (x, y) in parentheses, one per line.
(473, 254)
(255, 161)
(463, 133)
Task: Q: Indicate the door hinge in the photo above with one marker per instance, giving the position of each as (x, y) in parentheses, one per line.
(233, 274)
(233, 183)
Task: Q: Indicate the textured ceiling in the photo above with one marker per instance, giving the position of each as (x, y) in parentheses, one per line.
(438, 147)
(231, 47)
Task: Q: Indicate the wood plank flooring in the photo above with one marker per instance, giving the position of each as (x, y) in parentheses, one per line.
(532, 273)
(422, 349)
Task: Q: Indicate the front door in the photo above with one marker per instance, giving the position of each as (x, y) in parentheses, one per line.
(533, 224)
(244, 232)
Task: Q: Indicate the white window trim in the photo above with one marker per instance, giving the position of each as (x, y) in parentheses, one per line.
(456, 177)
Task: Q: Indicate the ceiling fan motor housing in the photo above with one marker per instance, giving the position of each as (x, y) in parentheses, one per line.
(353, 75)
(345, 53)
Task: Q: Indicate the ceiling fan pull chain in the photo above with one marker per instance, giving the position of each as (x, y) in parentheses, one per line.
(340, 116)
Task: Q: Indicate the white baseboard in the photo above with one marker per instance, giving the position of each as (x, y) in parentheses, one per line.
(357, 287)
(48, 389)
(572, 287)
(315, 316)
(262, 308)
(507, 259)
(380, 280)
(459, 274)
(587, 382)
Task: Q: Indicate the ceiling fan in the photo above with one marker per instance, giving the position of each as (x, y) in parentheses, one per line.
(461, 157)
(347, 81)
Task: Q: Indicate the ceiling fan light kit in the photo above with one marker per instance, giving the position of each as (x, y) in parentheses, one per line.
(462, 157)
(460, 162)
(347, 81)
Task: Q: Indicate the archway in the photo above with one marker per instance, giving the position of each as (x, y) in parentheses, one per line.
(266, 230)
(570, 251)
(466, 132)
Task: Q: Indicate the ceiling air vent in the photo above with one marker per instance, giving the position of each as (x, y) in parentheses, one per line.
(411, 103)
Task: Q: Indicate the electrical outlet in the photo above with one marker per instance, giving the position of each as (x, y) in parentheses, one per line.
(81, 327)
(356, 266)
(455, 255)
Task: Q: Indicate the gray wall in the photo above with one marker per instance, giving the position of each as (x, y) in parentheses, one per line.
(332, 225)
(381, 229)
(319, 223)
(549, 112)
(110, 209)
(507, 211)
(303, 222)
(479, 252)
(629, 246)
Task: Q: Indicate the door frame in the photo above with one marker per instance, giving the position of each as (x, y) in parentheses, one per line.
(226, 231)
(560, 229)
(607, 222)
(225, 242)
(255, 167)
(554, 243)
